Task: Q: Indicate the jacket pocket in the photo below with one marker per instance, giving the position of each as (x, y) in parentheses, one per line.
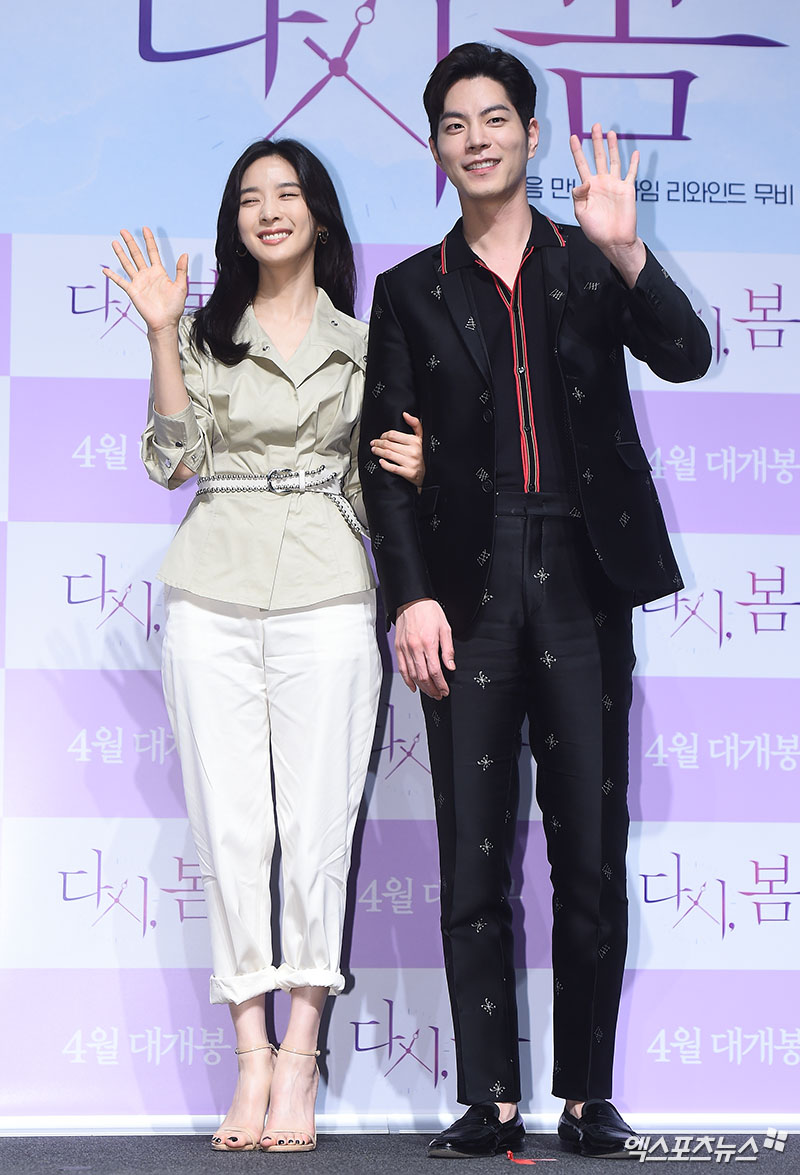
(633, 455)
(426, 501)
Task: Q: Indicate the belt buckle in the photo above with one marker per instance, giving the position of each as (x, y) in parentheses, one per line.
(278, 489)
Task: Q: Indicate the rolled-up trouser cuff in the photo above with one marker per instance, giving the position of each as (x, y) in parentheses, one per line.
(238, 988)
(287, 978)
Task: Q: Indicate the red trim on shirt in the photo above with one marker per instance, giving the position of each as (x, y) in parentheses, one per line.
(534, 437)
(508, 299)
(555, 230)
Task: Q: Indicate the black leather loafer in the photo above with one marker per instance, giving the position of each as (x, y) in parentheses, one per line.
(599, 1133)
(478, 1134)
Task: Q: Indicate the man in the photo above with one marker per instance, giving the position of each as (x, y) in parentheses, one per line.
(511, 576)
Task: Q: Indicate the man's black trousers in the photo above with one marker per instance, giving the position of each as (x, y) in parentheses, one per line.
(553, 641)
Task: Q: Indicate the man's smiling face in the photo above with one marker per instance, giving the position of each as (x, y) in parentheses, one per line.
(481, 144)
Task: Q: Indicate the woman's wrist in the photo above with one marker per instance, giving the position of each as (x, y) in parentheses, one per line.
(165, 335)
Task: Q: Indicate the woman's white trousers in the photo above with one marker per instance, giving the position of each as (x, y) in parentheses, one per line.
(255, 696)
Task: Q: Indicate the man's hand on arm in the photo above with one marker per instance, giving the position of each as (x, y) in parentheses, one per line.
(421, 633)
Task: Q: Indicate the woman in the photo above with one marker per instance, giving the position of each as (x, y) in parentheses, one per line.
(270, 662)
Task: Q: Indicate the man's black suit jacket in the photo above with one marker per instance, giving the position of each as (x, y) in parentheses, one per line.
(427, 356)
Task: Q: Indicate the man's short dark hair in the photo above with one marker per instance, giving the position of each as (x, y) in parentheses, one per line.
(474, 60)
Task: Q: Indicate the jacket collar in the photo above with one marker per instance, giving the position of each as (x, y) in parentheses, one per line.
(452, 261)
(455, 253)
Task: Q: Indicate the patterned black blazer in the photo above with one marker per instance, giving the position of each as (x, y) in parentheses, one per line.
(427, 356)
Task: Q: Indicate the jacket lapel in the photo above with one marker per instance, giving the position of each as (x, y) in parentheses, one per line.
(555, 268)
(461, 310)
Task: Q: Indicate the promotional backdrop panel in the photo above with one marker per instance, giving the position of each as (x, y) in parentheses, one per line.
(133, 116)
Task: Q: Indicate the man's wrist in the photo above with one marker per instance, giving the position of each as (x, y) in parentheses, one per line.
(628, 260)
(409, 603)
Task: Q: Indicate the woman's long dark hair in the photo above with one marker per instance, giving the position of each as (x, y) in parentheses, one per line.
(334, 268)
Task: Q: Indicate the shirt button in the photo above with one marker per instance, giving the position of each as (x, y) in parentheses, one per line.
(488, 415)
(265, 347)
(168, 463)
(334, 322)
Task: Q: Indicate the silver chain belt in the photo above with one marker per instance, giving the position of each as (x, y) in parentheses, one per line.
(284, 481)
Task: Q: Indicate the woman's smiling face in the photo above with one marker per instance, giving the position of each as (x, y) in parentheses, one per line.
(274, 222)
